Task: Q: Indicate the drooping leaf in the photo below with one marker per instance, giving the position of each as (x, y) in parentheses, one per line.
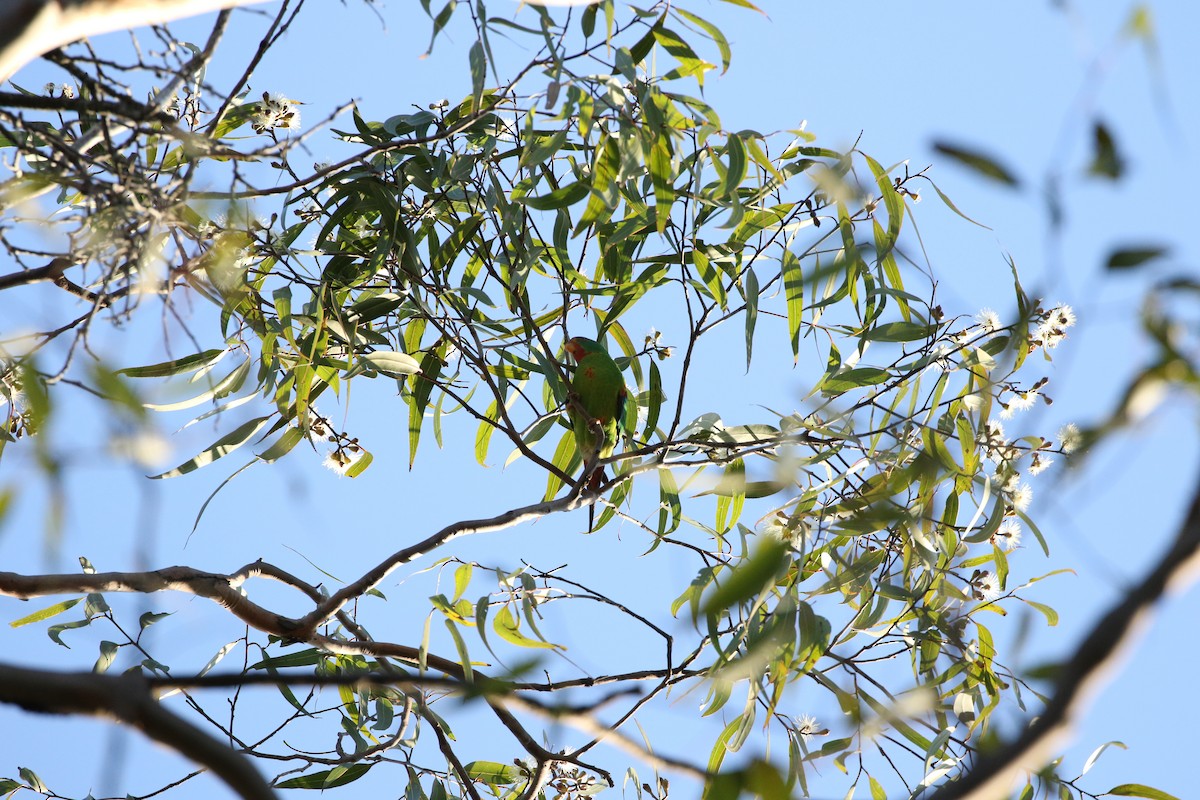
(508, 626)
(1130, 257)
(979, 163)
(218, 449)
(327, 779)
(1106, 161)
(178, 366)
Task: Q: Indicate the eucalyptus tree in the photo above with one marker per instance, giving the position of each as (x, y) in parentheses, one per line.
(847, 545)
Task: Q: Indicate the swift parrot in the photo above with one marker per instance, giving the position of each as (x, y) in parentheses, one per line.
(600, 394)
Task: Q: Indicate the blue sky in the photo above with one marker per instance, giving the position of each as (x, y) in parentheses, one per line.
(1021, 85)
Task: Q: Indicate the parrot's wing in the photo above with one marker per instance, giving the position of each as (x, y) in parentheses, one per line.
(628, 413)
(602, 396)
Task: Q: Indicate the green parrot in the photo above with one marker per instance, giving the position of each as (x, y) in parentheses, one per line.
(599, 392)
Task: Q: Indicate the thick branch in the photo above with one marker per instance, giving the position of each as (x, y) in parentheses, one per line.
(127, 699)
(1081, 676)
(51, 272)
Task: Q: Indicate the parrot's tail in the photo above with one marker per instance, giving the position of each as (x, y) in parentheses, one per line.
(597, 477)
(593, 485)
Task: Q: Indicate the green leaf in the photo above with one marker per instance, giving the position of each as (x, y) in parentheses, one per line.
(1130, 257)
(418, 401)
(32, 780)
(735, 173)
(670, 512)
(391, 362)
(950, 205)
(150, 617)
(226, 386)
(730, 740)
(654, 401)
(235, 117)
(464, 657)
(750, 293)
(108, 654)
(978, 162)
(1049, 613)
(328, 779)
(562, 197)
(604, 194)
(462, 577)
(745, 4)
(218, 449)
(726, 785)
(1095, 756)
(456, 242)
(493, 773)
(46, 613)
(793, 289)
(1106, 161)
(361, 462)
(55, 631)
(566, 458)
(899, 332)
(853, 379)
(659, 162)
(1140, 790)
(731, 495)
(179, 366)
(894, 205)
(282, 446)
(509, 627)
(302, 658)
(713, 277)
(478, 74)
(748, 578)
(483, 436)
(714, 33)
(763, 779)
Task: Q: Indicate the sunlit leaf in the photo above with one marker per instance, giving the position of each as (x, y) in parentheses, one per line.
(218, 449)
(45, 613)
(391, 362)
(493, 773)
(509, 628)
(1140, 790)
(178, 366)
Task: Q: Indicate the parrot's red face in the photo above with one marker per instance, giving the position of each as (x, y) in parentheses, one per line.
(575, 348)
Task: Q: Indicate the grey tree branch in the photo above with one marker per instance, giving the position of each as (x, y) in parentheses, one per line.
(1084, 674)
(127, 699)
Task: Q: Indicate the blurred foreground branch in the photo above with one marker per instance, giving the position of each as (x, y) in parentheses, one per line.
(127, 700)
(1085, 673)
(29, 28)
